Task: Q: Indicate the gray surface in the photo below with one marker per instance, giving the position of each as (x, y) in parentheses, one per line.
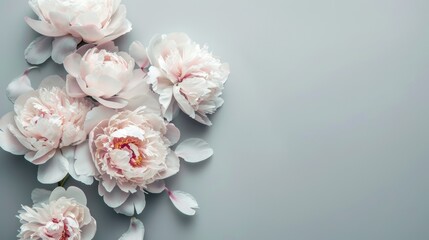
(323, 134)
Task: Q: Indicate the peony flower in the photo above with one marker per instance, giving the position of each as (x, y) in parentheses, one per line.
(105, 74)
(128, 153)
(57, 215)
(44, 126)
(69, 22)
(186, 75)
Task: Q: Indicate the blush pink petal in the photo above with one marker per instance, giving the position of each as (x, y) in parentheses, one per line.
(44, 28)
(39, 50)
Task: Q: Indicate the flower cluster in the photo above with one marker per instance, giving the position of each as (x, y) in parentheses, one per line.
(109, 119)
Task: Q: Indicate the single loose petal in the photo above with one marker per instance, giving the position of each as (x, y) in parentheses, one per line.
(62, 47)
(135, 231)
(39, 50)
(183, 201)
(194, 150)
(19, 86)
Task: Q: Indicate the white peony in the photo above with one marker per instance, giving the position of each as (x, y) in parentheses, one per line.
(45, 125)
(104, 74)
(57, 215)
(187, 75)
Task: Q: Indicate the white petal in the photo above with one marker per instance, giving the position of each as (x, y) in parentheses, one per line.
(194, 150)
(184, 202)
(138, 52)
(19, 86)
(44, 28)
(84, 164)
(8, 141)
(62, 47)
(96, 115)
(71, 192)
(173, 133)
(39, 50)
(135, 201)
(69, 153)
(39, 195)
(173, 165)
(156, 187)
(88, 231)
(115, 198)
(135, 231)
(54, 170)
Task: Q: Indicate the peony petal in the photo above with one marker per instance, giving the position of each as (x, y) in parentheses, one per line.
(19, 86)
(156, 187)
(39, 195)
(183, 103)
(88, 231)
(115, 198)
(52, 81)
(89, 33)
(8, 141)
(69, 153)
(96, 115)
(84, 164)
(194, 150)
(173, 165)
(184, 202)
(135, 231)
(72, 87)
(41, 156)
(71, 192)
(138, 52)
(39, 50)
(113, 102)
(72, 64)
(62, 47)
(59, 20)
(202, 118)
(136, 201)
(45, 28)
(54, 170)
(173, 134)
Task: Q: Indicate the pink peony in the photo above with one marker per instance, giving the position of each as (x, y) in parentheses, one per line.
(187, 75)
(44, 126)
(129, 153)
(105, 74)
(94, 21)
(57, 215)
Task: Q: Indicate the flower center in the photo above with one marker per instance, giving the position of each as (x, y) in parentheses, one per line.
(130, 144)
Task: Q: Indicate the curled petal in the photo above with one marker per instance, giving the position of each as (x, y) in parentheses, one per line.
(173, 133)
(183, 201)
(135, 231)
(19, 86)
(194, 150)
(39, 50)
(183, 103)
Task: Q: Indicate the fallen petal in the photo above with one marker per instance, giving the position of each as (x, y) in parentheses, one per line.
(194, 150)
(135, 231)
(183, 201)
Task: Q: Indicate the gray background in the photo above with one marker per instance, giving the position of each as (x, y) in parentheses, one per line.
(323, 134)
